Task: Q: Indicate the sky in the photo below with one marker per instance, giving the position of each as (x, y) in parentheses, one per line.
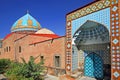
(49, 13)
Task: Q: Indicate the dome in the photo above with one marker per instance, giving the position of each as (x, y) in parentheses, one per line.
(44, 31)
(26, 23)
(91, 33)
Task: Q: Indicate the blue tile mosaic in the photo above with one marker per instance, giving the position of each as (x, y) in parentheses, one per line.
(74, 58)
(102, 16)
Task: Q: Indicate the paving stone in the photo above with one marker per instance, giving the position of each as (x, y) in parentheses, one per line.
(2, 77)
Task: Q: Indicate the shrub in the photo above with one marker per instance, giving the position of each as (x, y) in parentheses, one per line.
(31, 69)
(12, 71)
(26, 70)
(4, 64)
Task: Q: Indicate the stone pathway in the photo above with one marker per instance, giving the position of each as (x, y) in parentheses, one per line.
(86, 78)
(62, 77)
(2, 77)
(50, 77)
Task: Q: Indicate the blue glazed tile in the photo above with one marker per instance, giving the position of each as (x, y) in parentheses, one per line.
(102, 17)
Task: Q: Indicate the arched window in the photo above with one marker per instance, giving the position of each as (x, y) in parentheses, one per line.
(41, 58)
(4, 49)
(19, 49)
(9, 48)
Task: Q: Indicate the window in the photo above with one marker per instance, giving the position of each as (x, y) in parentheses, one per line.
(9, 48)
(0, 43)
(19, 49)
(6, 49)
(41, 58)
(57, 61)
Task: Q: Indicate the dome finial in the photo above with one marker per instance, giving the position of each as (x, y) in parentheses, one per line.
(27, 11)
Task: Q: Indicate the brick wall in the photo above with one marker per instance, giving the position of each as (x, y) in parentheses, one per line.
(45, 46)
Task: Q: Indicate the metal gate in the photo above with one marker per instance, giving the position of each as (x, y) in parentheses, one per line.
(93, 66)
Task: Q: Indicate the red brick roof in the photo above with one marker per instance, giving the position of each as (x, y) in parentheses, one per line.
(8, 35)
(50, 36)
(46, 40)
(46, 35)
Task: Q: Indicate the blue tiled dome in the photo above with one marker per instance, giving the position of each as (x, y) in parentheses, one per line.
(26, 23)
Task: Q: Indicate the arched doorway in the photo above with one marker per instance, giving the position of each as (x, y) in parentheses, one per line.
(93, 37)
(93, 66)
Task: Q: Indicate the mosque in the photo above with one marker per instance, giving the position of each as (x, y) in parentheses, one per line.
(91, 44)
(28, 38)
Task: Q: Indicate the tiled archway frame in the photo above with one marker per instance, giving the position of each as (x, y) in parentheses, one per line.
(114, 32)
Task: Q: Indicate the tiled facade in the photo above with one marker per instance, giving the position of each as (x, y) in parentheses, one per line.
(102, 16)
(74, 58)
(105, 12)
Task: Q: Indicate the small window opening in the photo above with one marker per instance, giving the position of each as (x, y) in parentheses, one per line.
(19, 49)
(57, 61)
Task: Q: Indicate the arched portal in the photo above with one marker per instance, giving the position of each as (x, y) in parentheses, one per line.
(93, 66)
(93, 37)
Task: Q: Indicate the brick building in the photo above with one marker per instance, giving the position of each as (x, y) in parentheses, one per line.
(28, 38)
(91, 45)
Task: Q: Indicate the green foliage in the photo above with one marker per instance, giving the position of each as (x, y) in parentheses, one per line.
(26, 70)
(31, 69)
(4, 63)
(12, 71)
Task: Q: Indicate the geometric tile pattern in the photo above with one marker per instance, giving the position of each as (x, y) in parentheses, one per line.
(103, 52)
(93, 66)
(79, 13)
(114, 28)
(115, 41)
(74, 58)
(68, 46)
(114, 8)
(104, 18)
(89, 9)
(116, 74)
(89, 69)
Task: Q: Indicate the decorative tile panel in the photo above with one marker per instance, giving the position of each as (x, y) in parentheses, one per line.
(102, 17)
(114, 8)
(115, 41)
(114, 24)
(116, 74)
(87, 10)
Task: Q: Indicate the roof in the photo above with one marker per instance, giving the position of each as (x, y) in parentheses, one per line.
(46, 35)
(46, 40)
(26, 23)
(7, 36)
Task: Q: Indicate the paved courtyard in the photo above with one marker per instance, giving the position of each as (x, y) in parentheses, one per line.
(50, 77)
(86, 78)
